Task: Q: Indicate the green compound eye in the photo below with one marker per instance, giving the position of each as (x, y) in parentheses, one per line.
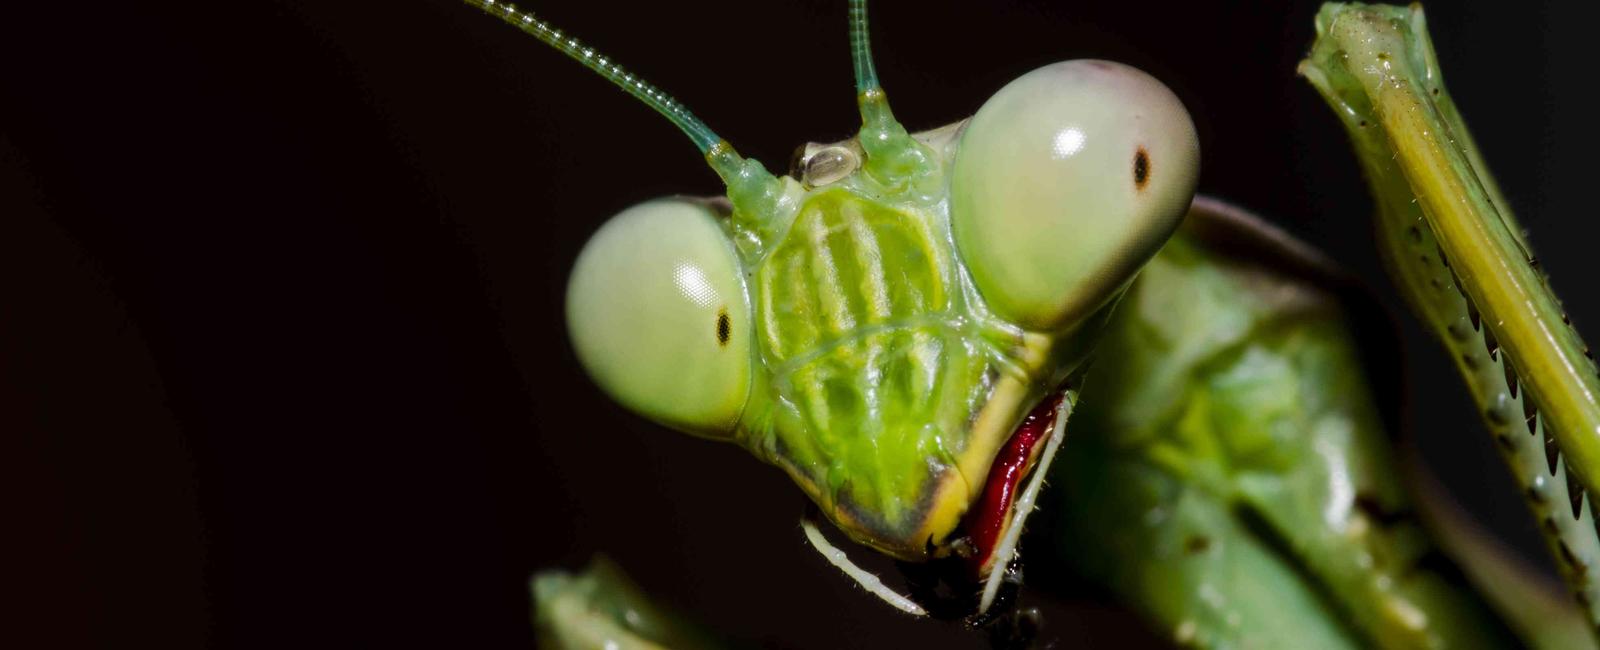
(657, 312)
(1066, 182)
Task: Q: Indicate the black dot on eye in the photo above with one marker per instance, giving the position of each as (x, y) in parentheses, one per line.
(1141, 168)
(724, 328)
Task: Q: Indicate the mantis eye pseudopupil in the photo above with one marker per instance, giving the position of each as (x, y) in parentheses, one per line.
(1041, 204)
(1141, 168)
(656, 310)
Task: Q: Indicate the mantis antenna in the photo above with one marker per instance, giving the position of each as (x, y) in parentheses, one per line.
(751, 188)
(861, 49)
(702, 136)
(893, 156)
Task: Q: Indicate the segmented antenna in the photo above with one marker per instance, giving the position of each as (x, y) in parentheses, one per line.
(861, 48)
(663, 103)
(893, 156)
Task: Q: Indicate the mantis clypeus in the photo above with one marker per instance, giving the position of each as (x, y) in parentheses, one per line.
(1300, 532)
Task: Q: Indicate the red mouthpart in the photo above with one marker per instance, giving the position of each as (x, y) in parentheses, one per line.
(987, 521)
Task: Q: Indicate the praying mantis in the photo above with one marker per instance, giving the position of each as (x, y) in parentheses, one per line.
(994, 280)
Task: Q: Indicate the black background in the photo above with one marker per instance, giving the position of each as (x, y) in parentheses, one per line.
(282, 359)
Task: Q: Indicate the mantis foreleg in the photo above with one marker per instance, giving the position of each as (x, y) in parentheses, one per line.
(1460, 259)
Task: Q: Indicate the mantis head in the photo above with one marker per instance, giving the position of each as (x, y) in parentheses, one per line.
(897, 322)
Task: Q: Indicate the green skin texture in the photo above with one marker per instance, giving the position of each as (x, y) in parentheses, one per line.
(875, 371)
(1459, 257)
(1227, 473)
(600, 607)
(1194, 446)
(1436, 201)
(929, 343)
(883, 380)
(1210, 477)
(1210, 474)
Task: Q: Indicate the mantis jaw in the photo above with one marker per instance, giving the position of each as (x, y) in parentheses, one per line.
(1023, 458)
(989, 535)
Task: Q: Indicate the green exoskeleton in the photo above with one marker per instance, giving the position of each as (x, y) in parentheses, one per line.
(1229, 477)
(1229, 471)
(880, 323)
(1455, 250)
(904, 321)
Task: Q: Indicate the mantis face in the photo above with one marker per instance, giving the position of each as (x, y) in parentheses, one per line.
(895, 322)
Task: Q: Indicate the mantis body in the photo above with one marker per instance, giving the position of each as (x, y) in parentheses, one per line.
(1038, 337)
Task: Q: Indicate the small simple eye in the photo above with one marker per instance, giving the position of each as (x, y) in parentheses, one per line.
(828, 166)
(1065, 183)
(657, 313)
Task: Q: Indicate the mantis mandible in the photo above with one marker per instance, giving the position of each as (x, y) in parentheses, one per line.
(1037, 316)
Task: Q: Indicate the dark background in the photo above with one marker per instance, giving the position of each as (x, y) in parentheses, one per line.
(282, 359)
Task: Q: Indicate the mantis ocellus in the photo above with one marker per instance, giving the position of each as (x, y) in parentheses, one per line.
(889, 320)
